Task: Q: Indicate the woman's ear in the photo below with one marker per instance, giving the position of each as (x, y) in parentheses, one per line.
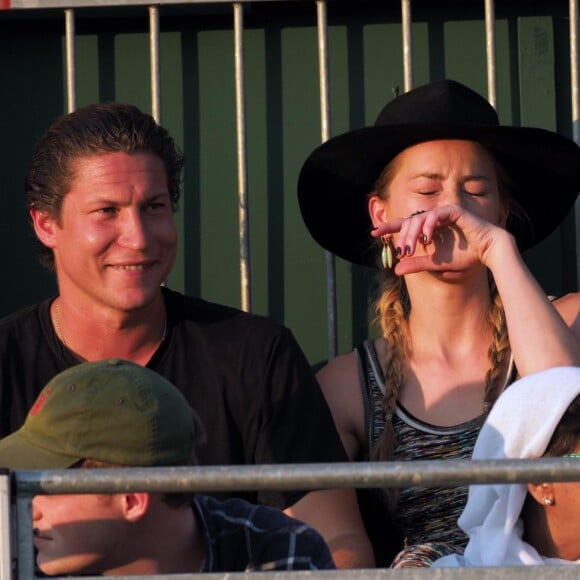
(44, 227)
(543, 493)
(135, 505)
(377, 211)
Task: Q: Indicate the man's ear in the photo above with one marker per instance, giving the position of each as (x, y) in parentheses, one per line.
(377, 210)
(543, 493)
(135, 505)
(44, 227)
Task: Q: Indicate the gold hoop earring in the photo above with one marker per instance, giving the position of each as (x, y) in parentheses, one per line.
(387, 256)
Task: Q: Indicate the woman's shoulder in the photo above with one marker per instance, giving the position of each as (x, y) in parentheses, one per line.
(340, 384)
(343, 371)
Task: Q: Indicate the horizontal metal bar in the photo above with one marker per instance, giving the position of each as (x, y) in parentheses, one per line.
(32, 4)
(298, 476)
(496, 573)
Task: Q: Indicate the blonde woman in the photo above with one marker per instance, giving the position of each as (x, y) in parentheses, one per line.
(442, 199)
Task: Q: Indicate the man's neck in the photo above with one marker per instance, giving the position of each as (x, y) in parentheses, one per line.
(97, 333)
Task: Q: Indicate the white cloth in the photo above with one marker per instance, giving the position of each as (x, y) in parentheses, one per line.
(520, 425)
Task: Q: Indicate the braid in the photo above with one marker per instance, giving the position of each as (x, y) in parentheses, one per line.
(392, 315)
(498, 349)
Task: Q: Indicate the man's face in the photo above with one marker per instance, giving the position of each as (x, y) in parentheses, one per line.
(116, 241)
(77, 534)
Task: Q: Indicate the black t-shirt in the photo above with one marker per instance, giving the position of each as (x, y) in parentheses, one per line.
(245, 376)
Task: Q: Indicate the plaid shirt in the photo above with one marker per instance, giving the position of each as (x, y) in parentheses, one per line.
(240, 536)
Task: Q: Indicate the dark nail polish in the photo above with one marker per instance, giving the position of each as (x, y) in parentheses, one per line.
(399, 252)
(408, 250)
(424, 238)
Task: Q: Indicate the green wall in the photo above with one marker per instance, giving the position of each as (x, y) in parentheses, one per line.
(283, 126)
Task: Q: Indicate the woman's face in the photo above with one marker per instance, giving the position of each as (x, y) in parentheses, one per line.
(443, 172)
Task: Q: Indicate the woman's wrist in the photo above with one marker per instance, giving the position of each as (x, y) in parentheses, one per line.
(502, 251)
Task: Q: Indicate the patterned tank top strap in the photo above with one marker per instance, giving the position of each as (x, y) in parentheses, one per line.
(373, 390)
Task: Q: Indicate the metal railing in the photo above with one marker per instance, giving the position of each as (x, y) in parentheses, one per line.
(16, 532)
(15, 514)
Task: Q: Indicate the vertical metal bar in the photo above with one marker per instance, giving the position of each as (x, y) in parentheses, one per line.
(574, 79)
(24, 536)
(5, 527)
(407, 44)
(322, 26)
(244, 214)
(71, 92)
(491, 52)
(154, 57)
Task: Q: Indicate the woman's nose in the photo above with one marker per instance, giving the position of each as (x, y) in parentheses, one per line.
(452, 195)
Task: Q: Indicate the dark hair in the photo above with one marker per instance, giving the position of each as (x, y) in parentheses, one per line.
(567, 434)
(92, 130)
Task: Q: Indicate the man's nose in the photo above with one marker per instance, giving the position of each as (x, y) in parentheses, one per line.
(133, 231)
(36, 510)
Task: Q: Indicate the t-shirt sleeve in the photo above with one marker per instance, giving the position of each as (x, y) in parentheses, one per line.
(297, 425)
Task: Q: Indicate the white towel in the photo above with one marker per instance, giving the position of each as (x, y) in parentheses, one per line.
(520, 425)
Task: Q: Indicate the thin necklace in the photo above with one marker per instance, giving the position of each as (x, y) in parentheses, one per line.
(60, 333)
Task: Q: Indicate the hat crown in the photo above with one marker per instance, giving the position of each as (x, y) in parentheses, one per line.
(113, 411)
(444, 102)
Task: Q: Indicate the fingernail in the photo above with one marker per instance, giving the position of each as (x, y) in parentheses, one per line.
(424, 239)
(399, 252)
(408, 250)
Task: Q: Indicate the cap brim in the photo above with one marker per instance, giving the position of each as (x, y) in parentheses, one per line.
(544, 167)
(16, 452)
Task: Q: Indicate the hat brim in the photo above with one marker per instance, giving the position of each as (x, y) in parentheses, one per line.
(543, 166)
(16, 452)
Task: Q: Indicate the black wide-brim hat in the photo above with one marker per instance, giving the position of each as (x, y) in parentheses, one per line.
(336, 178)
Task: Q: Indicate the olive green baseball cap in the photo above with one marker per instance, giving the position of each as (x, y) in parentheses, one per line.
(113, 411)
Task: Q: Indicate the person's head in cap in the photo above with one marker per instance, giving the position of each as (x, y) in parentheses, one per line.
(441, 199)
(110, 413)
(115, 413)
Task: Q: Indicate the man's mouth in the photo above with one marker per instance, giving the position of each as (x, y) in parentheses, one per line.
(132, 267)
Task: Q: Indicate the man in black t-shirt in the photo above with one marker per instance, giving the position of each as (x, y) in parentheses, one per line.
(101, 191)
(125, 415)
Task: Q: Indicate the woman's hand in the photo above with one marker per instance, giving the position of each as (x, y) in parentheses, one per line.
(444, 238)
